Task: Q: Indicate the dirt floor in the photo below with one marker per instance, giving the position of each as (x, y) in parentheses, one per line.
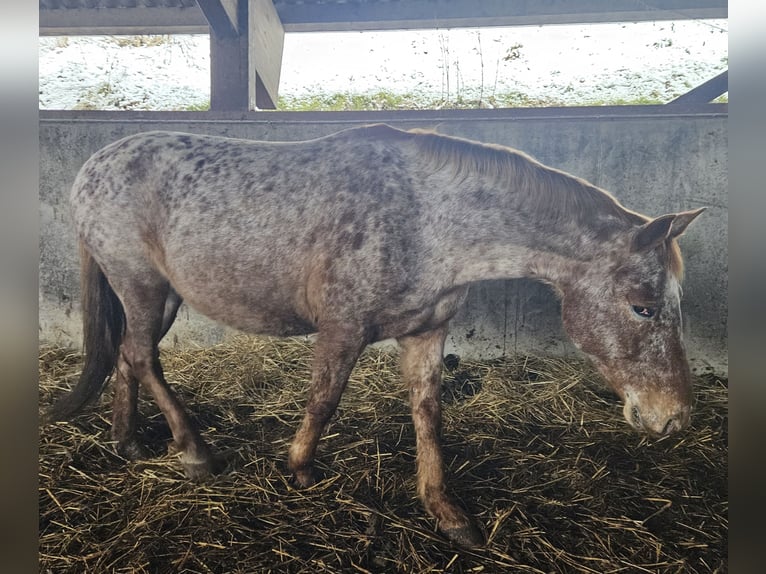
(536, 449)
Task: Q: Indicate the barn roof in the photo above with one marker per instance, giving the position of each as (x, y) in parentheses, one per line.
(83, 17)
(247, 35)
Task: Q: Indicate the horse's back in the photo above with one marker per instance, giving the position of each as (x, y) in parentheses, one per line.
(174, 171)
(302, 229)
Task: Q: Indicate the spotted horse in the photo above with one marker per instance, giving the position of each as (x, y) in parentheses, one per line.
(367, 234)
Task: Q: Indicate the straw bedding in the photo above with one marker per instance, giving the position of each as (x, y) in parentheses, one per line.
(536, 449)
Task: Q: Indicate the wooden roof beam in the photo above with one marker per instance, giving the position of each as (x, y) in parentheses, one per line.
(246, 56)
(222, 17)
(265, 45)
(412, 14)
(122, 21)
(422, 14)
(705, 93)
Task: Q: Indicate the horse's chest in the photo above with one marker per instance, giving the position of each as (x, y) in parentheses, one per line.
(428, 315)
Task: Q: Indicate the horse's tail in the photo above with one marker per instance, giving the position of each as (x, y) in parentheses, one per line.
(103, 319)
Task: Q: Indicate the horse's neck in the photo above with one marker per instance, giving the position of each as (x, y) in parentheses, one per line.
(497, 245)
(512, 261)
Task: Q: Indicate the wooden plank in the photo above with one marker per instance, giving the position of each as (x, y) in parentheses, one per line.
(423, 117)
(222, 17)
(423, 14)
(231, 7)
(266, 41)
(245, 67)
(117, 21)
(412, 14)
(706, 92)
(229, 73)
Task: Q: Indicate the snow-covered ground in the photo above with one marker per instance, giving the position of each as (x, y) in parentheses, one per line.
(565, 64)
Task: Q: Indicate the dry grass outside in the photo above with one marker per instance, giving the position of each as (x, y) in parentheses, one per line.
(536, 449)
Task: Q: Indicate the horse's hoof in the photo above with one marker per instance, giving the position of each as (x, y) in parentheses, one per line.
(203, 469)
(468, 536)
(304, 478)
(133, 450)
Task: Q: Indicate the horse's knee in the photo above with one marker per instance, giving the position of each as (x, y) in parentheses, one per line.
(142, 365)
(135, 360)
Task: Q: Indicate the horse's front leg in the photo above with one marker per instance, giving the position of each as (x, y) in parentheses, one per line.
(421, 364)
(335, 353)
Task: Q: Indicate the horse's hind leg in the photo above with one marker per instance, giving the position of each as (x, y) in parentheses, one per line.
(335, 354)
(125, 402)
(421, 364)
(124, 411)
(148, 316)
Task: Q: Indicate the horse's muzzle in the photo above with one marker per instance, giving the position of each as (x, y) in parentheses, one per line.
(657, 421)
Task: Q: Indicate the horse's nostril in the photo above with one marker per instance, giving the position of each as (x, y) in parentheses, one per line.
(670, 427)
(635, 416)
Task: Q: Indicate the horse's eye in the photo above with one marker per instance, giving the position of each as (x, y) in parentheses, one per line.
(646, 312)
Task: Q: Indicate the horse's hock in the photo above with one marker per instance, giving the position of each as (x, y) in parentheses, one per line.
(655, 163)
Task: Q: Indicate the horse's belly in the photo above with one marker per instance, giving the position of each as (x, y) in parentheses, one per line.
(258, 310)
(256, 320)
(285, 326)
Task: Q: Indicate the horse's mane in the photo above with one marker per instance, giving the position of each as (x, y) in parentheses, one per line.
(539, 189)
(547, 192)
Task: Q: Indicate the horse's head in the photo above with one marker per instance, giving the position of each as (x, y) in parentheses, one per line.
(623, 310)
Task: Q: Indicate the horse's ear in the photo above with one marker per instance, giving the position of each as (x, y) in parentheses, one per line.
(651, 234)
(663, 228)
(682, 221)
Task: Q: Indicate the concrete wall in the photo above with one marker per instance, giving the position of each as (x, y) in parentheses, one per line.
(655, 159)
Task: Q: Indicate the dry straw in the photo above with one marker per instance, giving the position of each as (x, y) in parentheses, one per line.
(537, 450)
